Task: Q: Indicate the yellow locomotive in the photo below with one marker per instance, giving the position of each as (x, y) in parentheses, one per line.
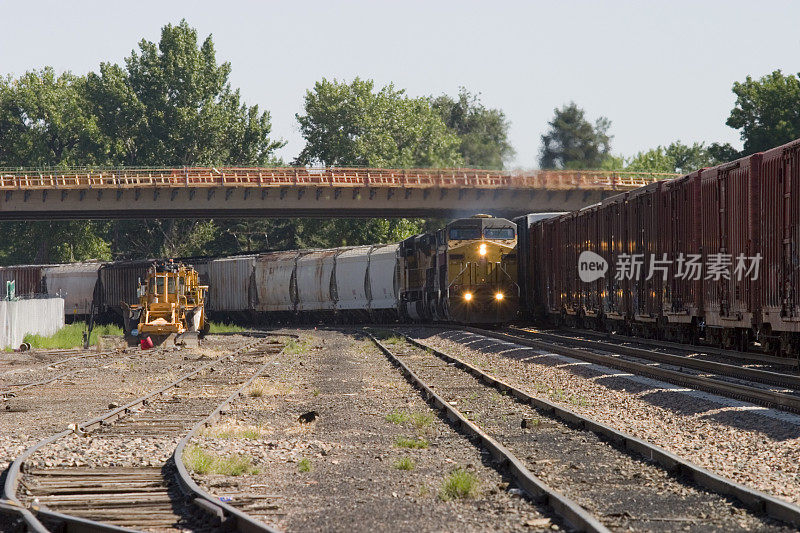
(465, 272)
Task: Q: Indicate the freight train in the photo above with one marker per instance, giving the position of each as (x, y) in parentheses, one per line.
(465, 272)
(712, 254)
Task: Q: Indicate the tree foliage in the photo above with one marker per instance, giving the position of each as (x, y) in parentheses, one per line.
(170, 105)
(574, 142)
(483, 132)
(352, 124)
(677, 157)
(355, 124)
(173, 105)
(767, 111)
(44, 121)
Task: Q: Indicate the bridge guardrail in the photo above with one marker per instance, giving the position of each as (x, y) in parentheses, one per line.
(332, 177)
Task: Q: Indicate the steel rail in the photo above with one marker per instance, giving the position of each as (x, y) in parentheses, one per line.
(711, 350)
(756, 501)
(65, 360)
(723, 369)
(227, 514)
(9, 494)
(577, 517)
(732, 390)
(6, 393)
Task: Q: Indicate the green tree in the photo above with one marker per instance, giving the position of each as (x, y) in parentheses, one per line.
(483, 132)
(767, 111)
(680, 158)
(573, 142)
(45, 121)
(352, 124)
(173, 105)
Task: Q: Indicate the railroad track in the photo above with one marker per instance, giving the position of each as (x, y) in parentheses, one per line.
(593, 476)
(141, 495)
(717, 378)
(13, 389)
(748, 357)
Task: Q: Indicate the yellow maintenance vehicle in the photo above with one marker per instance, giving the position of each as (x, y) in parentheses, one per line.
(171, 306)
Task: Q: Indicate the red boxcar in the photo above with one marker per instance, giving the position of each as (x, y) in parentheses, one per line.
(723, 219)
(779, 239)
(644, 226)
(682, 304)
(617, 298)
(728, 193)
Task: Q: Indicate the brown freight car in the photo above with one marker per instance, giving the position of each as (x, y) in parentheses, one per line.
(617, 298)
(645, 279)
(728, 238)
(728, 193)
(27, 279)
(682, 304)
(778, 230)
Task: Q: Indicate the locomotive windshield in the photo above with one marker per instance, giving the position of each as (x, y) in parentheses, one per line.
(464, 234)
(499, 233)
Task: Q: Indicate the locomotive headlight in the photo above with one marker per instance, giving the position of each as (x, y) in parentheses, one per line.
(498, 296)
(482, 249)
(467, 296)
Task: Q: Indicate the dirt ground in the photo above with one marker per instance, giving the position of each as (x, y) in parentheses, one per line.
(340, 471)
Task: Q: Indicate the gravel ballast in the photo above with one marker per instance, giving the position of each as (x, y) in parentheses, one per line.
(750, 444)
(340, 471)
(100, 383)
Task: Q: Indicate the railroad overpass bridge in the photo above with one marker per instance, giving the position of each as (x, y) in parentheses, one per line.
(301, 192)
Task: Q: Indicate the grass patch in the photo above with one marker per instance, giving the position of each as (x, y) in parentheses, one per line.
(397, 417)
(315, 392)
(459, 485)
(296, 346)
(234, 432)
(198, 460)
(256, 392)
(405, 463)
(304, 465)
(71, 336)
(413, 444)
(222, 327)
(203, 462)
(421, 420)
(387, 337)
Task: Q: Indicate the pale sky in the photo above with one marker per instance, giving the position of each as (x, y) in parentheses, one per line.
(660, 70)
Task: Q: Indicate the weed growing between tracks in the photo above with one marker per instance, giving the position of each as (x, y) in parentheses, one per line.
(304, 465)
(70, 336)
(297, 346)
(405, 463)
(203, 462)
(397, 417)
(413, 444)
(230, 431)
(459, 484)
